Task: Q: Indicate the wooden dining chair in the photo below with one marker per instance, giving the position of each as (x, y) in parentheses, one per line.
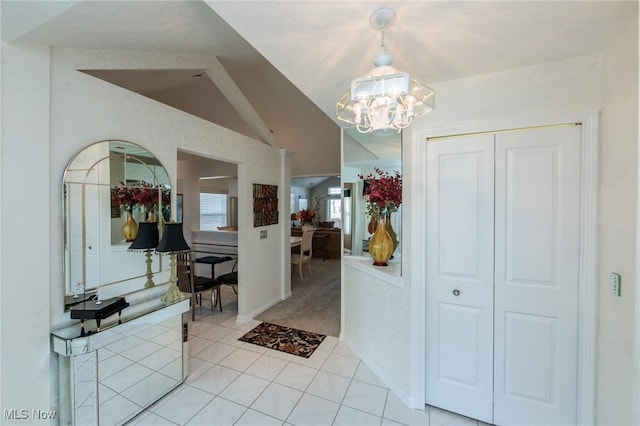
(193, 284)
(306, 251)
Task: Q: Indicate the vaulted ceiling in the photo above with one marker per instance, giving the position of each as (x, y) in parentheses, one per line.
(292, 60)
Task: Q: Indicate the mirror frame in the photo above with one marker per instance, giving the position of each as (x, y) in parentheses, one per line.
(383, 144)
(71, 295)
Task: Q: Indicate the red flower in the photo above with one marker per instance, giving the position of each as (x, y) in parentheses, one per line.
(306, 215)
(384, 190)
(146, 195)
(123, 195)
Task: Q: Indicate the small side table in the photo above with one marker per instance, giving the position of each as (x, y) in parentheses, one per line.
(213, 261)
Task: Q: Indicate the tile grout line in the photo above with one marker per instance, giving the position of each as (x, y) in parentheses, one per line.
(289, 363)
(307, 387)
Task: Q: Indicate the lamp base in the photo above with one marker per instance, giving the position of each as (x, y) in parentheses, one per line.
(149, 282)
(172, 295)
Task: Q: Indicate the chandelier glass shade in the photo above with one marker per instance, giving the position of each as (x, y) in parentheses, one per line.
(385, 98)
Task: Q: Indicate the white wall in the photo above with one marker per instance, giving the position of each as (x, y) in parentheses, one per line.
(618, 201)
(51, 111)
(26, 244)
(535, 93)
(375, 323)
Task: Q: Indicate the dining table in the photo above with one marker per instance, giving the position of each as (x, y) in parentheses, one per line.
(296, 241)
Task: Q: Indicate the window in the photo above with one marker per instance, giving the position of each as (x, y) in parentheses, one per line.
(334, 205)
(302, 203)
(335, 209)
(334, 190)
(213, 210)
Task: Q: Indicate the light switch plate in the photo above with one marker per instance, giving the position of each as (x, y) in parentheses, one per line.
(616, 284)
(263, 234)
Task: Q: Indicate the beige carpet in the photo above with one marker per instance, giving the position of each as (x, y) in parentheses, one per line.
(315, 302)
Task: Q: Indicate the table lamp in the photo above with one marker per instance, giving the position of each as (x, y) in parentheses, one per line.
(147, 240)
(172, 242)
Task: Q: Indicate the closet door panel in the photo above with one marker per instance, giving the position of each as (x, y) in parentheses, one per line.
(460, 275)
(537, 214)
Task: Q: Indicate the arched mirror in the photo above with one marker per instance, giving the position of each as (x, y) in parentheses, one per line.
(108, 188)
(367, 155)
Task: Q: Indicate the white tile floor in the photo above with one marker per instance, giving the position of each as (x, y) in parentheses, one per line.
(236, 383)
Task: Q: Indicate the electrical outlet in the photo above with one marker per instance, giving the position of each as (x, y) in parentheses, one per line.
(616, 284)
(263, 234)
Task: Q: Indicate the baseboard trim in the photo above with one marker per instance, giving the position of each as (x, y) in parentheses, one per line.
(406, 399)
(261, 309)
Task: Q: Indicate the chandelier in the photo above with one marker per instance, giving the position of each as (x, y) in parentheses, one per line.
(385, 99)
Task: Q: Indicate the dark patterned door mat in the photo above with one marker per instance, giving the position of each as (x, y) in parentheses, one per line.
(291, 340)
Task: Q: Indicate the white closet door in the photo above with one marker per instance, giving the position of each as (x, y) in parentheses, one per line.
(76, 206)
(460, 275)
(537, 216)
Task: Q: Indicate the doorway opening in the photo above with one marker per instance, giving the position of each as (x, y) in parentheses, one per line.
(314, 304)
(208, 189)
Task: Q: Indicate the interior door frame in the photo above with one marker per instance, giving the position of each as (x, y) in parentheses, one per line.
(587, 315)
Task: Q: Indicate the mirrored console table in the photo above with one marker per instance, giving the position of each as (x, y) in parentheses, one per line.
(106, 377)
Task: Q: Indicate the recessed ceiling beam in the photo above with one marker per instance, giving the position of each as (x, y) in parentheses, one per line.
(221, 78)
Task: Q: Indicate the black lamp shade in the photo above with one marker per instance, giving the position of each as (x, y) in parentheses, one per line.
(172, 239)
(147, 236)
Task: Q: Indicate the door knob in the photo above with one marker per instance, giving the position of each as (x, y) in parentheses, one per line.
(456, 292)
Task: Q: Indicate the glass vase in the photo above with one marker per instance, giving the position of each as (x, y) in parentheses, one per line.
(381, 245)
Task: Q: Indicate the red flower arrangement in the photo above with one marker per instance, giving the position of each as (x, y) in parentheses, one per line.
(383, 192)
(123, 195)
(146, 195)
(306, 215)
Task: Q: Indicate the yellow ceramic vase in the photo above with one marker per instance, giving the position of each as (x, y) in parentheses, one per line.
(381, 245)
(129, 228)
(373, 224)
(392, 233)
